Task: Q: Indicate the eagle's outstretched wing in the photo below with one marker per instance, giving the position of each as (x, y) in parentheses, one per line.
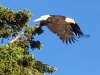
(63, 30)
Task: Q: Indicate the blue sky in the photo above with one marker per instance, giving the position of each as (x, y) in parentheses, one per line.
(80, 58)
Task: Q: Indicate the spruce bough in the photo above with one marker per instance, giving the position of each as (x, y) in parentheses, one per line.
(15, 58)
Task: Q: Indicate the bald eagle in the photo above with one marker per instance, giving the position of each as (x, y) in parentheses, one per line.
(66, 28)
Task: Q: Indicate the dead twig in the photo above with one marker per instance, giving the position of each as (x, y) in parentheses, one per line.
(16, 38)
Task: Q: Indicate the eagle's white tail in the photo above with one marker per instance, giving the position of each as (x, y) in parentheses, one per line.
(44, 17)
(39, 19)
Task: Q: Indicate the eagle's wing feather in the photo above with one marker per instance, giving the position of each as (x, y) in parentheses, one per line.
(63, 30)
(77, 30)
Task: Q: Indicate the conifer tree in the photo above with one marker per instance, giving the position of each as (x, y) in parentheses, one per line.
(15, 58)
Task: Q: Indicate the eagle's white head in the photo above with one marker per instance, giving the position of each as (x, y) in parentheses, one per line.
(44, 17)
(70, 20)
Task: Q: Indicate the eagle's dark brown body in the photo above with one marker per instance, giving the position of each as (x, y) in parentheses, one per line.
(65, 30)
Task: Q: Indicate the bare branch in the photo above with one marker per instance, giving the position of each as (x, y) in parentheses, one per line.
(16, 38)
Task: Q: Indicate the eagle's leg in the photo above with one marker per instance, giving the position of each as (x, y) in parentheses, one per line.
(37, 26)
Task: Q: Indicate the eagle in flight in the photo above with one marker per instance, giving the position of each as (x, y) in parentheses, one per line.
(66, 28)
